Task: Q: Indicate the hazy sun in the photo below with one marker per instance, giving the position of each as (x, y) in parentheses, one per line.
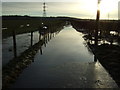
(89, 7)
(106, 6)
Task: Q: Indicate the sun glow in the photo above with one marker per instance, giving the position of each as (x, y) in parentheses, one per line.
(107, 6)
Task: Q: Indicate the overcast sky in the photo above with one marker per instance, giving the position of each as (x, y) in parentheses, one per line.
(40, 0)
(78, 8)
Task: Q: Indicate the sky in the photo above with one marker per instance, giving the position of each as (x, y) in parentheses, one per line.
(85, 9)
(119, 11)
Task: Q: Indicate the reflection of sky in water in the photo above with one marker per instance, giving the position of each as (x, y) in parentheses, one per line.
(65, 62)
(63, 51)
(67, 46)
(6, 47)
(23, 42)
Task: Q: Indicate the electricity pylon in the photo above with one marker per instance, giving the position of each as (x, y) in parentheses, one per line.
(44, 9)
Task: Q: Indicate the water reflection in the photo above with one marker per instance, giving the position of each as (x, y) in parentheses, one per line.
(24, 58)
(107, 50)
(66, 58)
(29, 33)
(41, 52)
(31, 38)
(66, 63)
(108, 30)
(14, 44)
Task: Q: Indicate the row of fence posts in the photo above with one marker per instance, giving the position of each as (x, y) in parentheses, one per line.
(46, 39)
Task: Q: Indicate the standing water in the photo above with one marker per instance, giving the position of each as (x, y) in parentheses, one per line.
(65, 62)
(23, 43)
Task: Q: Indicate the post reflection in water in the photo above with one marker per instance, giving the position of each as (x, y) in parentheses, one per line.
(27, 55)
(32, 38)
(66, 69)
(95, 58)
(14, 44)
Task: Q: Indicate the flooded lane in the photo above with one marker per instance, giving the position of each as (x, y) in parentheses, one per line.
(65, 62)
(23, 42)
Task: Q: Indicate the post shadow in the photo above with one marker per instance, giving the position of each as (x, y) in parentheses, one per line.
(48, 36)
(40, 36)
(14, 44)
(41, 52)
(44, 39)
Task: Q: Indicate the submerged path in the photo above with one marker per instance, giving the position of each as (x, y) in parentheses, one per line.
(65, 63)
